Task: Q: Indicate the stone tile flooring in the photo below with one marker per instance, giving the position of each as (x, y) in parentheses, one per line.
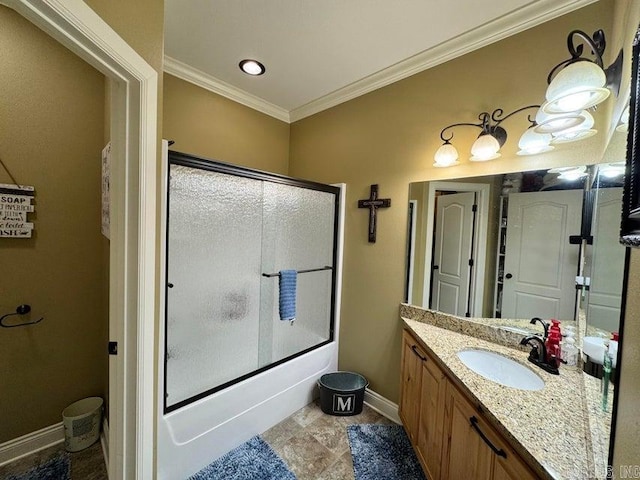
(315, 446)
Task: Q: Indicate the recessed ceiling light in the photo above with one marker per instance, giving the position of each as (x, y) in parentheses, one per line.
(251, 67)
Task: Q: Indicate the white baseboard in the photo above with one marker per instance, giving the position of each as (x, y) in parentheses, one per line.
(104, 441)
(381, 405)
(31, 442)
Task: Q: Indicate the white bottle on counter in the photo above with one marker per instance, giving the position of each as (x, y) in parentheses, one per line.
(570, 352)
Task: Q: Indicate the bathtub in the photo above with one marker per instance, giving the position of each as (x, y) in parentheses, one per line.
(192, 437)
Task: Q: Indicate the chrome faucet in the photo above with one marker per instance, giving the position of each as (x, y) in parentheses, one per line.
(538, 354)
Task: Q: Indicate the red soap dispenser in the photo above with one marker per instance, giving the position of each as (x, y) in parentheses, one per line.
(554, 353)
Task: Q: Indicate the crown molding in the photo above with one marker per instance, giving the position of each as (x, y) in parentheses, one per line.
(522, 19)
(515, 22)
(197, 77)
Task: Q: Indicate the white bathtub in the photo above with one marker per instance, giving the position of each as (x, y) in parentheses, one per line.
(192, 437)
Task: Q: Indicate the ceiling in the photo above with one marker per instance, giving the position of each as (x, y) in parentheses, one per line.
(319, 54)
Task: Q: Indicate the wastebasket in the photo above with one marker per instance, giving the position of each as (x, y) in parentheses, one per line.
(342, 393)
(81, 422)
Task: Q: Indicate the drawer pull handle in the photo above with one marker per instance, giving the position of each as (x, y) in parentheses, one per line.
(474, 424)
(415, 350)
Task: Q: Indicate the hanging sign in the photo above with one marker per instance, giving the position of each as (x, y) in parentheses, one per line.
(15, 204)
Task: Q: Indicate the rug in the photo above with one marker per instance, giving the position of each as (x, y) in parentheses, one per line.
(383, 452)
(56, 468)
(253, 460)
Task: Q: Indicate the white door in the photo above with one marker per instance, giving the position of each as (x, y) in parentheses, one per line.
(452, 252)
(606, 258)
(540, 263)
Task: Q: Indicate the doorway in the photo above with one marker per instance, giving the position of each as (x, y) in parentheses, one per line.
(133, 133)
(453, 252)
(461, 289)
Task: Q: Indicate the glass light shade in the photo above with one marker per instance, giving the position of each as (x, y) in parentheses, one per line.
(576, 87)
(446, 156)
(573, 136)
(611, 170)
(485, 148)
(624, 121)
(572, 174)
(551, 123)
(532, 142)
(582, 131)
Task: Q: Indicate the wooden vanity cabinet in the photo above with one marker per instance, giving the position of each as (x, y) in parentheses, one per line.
(449, 434)
(422, 405)
(473, 449)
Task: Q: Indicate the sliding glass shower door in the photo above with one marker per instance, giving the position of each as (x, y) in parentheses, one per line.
(230, 231)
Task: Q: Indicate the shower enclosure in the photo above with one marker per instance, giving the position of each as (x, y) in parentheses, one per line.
(231, 366)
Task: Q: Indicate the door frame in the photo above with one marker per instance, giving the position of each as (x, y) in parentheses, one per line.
(132, 289)
(411, 254)
(479, 244)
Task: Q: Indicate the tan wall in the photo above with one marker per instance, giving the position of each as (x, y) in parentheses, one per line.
(208, 125)
(389, 137)
(51, 136)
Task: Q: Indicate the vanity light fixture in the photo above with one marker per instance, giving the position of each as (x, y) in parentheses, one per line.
(252, 67)
(487, 146)
(579, 83)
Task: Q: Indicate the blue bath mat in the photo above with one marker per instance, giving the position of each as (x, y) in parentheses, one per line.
(56, 468)
(382, 452)
(253, 460)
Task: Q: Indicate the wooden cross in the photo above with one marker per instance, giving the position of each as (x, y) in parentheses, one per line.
(373, 204)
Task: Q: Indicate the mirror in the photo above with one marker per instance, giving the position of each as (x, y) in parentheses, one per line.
(539, 243)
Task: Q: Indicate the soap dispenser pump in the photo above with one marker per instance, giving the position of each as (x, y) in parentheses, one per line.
(554, 353)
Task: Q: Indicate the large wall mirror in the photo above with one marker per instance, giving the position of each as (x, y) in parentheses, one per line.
(540, 243)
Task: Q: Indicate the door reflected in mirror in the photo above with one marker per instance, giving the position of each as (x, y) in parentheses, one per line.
(516, 246)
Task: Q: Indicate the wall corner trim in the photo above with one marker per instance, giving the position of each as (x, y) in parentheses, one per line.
(31, 443)
(382, 405)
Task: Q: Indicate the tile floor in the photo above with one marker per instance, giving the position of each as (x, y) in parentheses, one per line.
(313, 445)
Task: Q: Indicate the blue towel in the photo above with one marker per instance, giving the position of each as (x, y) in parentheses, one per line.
(288, 281)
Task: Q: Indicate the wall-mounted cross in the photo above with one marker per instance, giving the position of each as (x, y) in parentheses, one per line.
(373, 203)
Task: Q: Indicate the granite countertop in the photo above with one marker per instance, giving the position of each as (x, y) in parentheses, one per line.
(559, 430)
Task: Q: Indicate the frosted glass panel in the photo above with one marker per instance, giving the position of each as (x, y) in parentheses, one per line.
(298, 233)
(226, 228)
(214, 253)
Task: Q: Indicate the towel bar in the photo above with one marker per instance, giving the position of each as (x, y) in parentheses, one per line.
(327, 267)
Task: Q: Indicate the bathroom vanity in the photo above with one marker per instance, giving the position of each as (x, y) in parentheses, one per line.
(463, 425)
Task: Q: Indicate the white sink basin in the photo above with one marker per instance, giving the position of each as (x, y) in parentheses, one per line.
(501, 369)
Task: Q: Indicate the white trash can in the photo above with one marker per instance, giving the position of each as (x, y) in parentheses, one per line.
(82, 420)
